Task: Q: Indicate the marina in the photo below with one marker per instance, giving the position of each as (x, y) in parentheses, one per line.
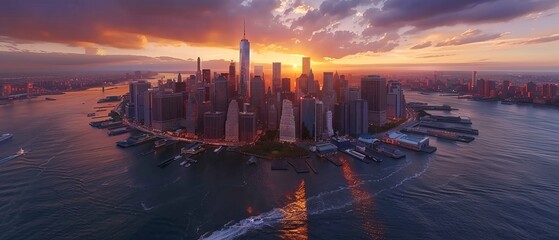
(439, 133)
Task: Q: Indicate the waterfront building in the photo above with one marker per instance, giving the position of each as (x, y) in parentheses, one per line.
(232, 122)
(286, 84)
(257, 96)
(167, 110)
(373, 90)
(549, 90)
(306, 66)
(137, 93)
(247, 126)
(276, 77)
(340, 121)
(287, 123)
(221, 94)
(403, 140)
(214, 125)
(307, 111)
(480, 87)
(191, 114)
(357, 118)
(272, 117)
(244, 61)
(395, 104)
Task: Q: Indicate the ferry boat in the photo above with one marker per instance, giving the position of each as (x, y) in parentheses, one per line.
(356, 154)
(135, 140)
(6, 136)
(91, 114)
(50, 99)
(217, 150)
(119, 131)
(160, 143)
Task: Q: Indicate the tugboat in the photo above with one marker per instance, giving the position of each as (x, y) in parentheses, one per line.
(5, 136)
(217, 150)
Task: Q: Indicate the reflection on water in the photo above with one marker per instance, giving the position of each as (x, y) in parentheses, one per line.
(364, 202)
(294, 221)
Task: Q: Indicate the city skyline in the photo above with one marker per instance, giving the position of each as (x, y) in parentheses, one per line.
(339, 35)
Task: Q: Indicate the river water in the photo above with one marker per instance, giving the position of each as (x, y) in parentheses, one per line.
(74, 183)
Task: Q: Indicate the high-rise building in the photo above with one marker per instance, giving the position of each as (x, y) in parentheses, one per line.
(231, 86)
(337, 86)
(306, 66)
(244, 61)
(319, 120)
(373, 90)
(344, 91)
(358, 117)
(221, 98)
(214, 125)
(490, 88)
(191, 114)
(549, 90)
(137, 93)
(286, 84)
(287, 123)
(272, 117)
(232, 123)
(206, 76)
(198, 71)
(167, 110)
(354, 93)
(247, 126)
(395, 104)
(312, 84)
(328, 82)
(257, 96)
(329, 123)
(480, 83)
(259, 71)
(474, 79)
(303, 84)
(276, 77)
(307, 111)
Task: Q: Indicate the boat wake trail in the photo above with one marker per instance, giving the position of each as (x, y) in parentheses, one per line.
(7, 159)
(318, 204)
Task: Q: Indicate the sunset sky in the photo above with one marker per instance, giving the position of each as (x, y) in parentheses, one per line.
(441, 34)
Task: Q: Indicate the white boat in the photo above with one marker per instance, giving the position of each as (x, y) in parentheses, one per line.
(217, 150)
(187, 165)
(256, 220)
(178, 157)
(5, 136)
(182, 163)
(20, 152)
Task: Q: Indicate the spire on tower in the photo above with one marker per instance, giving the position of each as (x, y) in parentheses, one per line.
(244, 29)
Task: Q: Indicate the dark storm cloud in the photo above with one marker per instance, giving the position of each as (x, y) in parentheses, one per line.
(422, 14)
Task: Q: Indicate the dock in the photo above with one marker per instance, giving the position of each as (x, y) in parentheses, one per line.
(440, 134)
(279, 164)
(450, 129)
(299, 165)
(311, 167)
(333, 160)
(166, 162)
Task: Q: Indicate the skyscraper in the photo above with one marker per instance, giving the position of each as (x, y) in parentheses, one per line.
(257, 96)
(287, 123)
(167, 110)
(232, 123)
(395, 107)
(373, 90)
(137, 93)
(231, 86)
(244, 61)
(474, 79)
(220, 96)
(329, 123)
(214, 125)
(206, 76)
(306, 66)
(247, 126)
(319, 120)
(307, 111)
(358, 117)
(272, 117)
(259, 71)
(286, 84)
(198, 71)
(328, 82)
(276, 77)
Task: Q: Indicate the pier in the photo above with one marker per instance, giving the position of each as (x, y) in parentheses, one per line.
(299, 165)
(333, 160)
(280, 164)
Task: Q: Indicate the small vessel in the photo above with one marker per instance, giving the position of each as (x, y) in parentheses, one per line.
(160, 143)
(91, 114)
(256, 220)
(217, 150)
(50, 99)
(177, 157)
(6, 136)
(187, 165)
(251, 160)
(182, 163)
(135, 140)
(195, 149)
(20, 152)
